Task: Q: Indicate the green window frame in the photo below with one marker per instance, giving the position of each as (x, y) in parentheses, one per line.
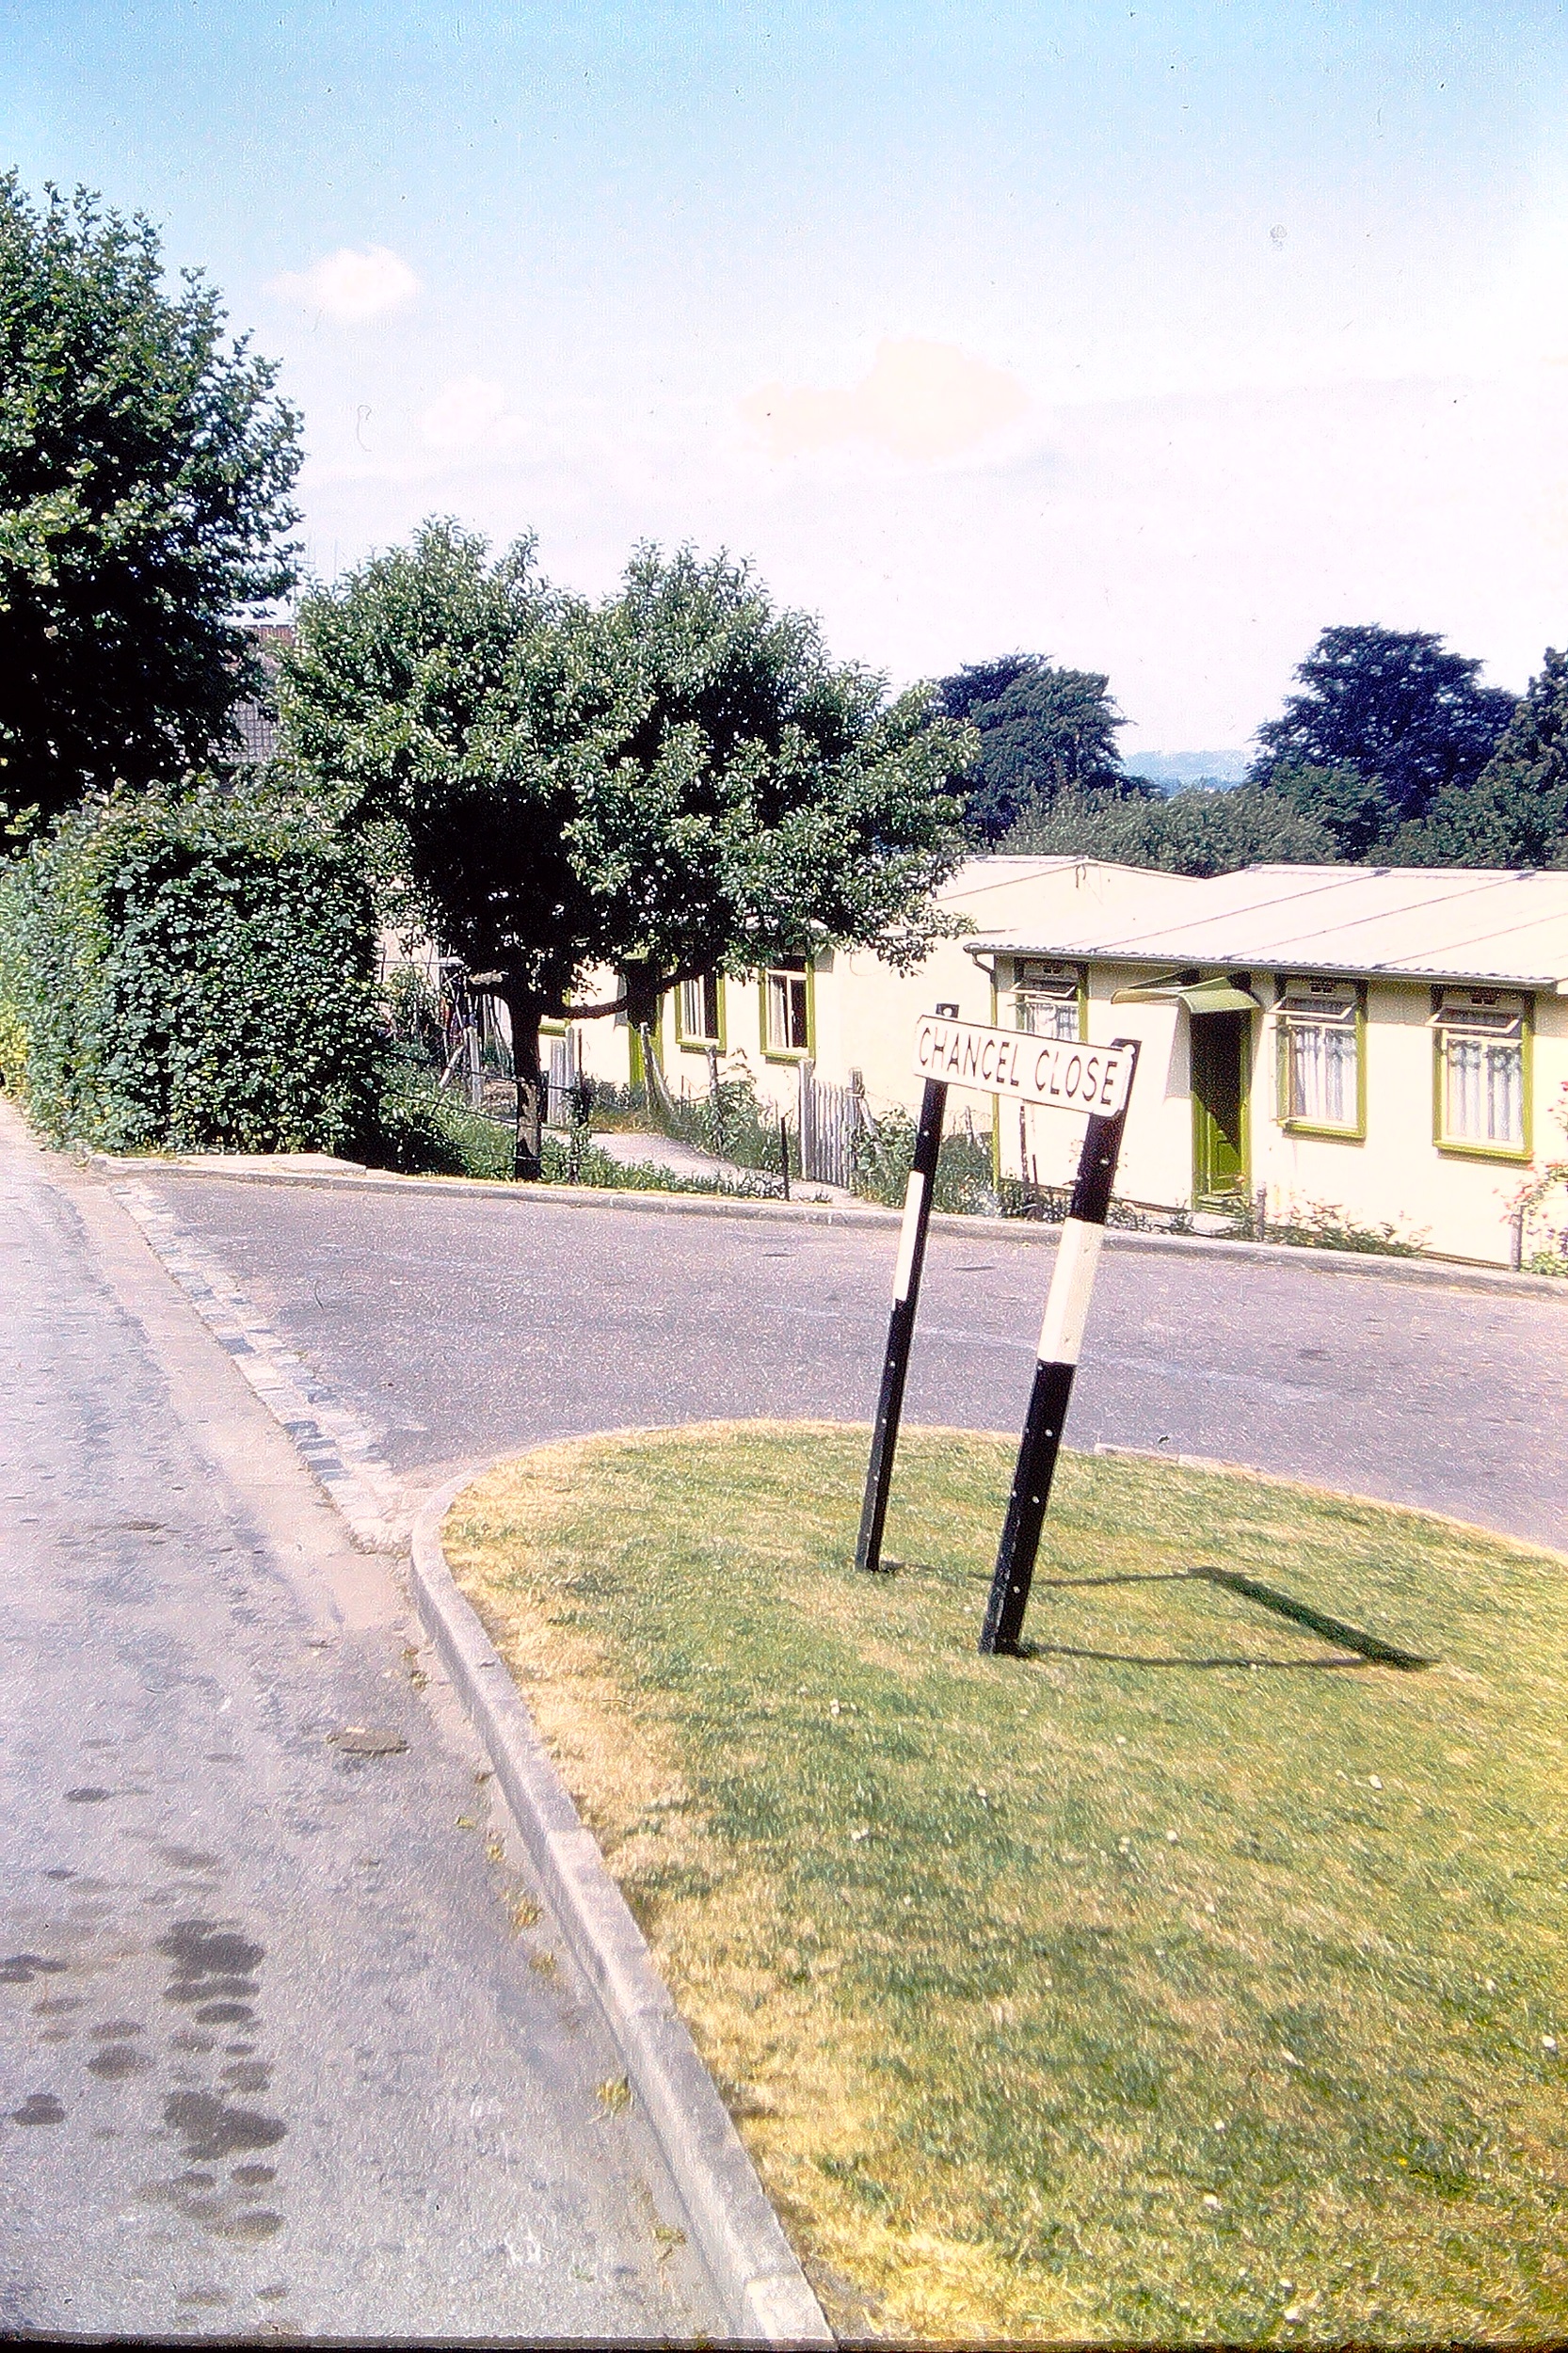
(700, 1011)
(787, 1009)
(1050, 999)
(1483, 1073)
(1319, 1026)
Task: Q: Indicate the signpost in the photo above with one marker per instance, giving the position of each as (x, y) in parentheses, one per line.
(901, 1325)
(1057, 1074)
(1061, 1338)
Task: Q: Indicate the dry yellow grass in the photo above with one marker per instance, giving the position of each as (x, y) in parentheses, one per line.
(1012, 2059)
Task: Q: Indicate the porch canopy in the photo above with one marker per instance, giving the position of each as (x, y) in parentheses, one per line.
(1217, 996)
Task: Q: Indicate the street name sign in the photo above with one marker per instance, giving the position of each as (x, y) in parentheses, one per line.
(1056, 1073)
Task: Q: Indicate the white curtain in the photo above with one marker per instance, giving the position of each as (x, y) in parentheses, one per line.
(1322, 1082)
(1485, 1091)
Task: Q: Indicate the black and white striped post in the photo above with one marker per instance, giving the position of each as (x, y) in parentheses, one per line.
(901, 1323)
(1061, 1340)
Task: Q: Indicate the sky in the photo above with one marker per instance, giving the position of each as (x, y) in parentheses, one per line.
(1153, 339)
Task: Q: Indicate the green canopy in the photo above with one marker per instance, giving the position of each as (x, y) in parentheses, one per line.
(1218, 996)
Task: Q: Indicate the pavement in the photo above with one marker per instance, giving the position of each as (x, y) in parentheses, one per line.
(274, 2055)
(460, 1324)
(636, 1148)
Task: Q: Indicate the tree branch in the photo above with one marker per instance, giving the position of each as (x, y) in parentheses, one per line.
(571, 1009)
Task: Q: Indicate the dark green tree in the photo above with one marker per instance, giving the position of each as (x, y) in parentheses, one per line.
(1395, 707)
(673, 780)
(145, 471)
(1356, 812)
(1198, 831)
(1043, 732)
(1516, 814)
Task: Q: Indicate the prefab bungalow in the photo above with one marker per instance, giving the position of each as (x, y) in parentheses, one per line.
(1387, 1045)
(1380, 1043)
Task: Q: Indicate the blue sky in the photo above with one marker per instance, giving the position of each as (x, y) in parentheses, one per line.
(1153, 338)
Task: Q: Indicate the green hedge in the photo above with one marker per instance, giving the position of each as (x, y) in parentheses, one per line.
(188, 970)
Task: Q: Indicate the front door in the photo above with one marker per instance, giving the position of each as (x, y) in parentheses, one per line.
(1222, 1057)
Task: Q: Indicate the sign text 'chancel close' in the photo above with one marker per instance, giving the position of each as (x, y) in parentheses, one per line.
(1058, 1073)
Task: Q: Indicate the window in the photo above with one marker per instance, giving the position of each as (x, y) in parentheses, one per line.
(698, 1014)
(1322, 1040)
(1481, 1040)
(1046, 997)
(786, 1007)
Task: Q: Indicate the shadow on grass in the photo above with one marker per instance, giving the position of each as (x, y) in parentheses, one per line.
(1370, 1649)
(1150, 1659)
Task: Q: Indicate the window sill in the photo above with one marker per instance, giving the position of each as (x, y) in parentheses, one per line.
(1321, 1129)
(787, 1053)
(700, 1045)
(1514, 1155)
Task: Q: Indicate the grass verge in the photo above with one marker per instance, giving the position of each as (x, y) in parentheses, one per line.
(1195, 1977)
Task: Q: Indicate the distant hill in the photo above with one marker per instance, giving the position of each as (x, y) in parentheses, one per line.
(1171, 770)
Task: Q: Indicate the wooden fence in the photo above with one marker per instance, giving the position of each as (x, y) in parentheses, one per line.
(829, 1119)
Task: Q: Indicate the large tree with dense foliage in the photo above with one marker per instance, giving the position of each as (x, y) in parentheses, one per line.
(1388, 719)
(675, 779)
(146, 470)
(1045, 730)
(1517, 813)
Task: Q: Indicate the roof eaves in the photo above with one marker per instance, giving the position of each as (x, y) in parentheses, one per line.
(1250, 958)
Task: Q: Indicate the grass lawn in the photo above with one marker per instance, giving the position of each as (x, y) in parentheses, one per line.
(1194, 1976)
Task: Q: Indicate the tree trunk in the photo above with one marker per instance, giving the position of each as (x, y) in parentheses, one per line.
(528, 1141)
(660, 1099)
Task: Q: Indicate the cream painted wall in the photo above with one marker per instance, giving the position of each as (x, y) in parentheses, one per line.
(1446, 1200)
(1450, 1201)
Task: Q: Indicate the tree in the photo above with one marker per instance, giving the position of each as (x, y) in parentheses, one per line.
(1396, 708)
(145, 479)
(1197, 831)
(676, 779)
(1352, 809)
(1043, 732)
(1516, 814)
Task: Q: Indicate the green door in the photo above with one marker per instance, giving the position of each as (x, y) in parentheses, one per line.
(1220, 1059)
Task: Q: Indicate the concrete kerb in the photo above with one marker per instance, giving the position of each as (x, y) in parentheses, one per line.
(767, 2297)
(1371, 1265)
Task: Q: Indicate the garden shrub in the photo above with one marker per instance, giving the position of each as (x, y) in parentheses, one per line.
(184, 970)
(885, 1150)
(423, 1129)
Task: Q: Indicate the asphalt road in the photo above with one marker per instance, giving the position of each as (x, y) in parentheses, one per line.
(273, 2056)
(461, 1325)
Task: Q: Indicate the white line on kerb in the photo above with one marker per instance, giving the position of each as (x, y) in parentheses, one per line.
(1067, 1301)
(905, 1268)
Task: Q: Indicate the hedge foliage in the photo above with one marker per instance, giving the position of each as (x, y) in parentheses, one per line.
(185, 970)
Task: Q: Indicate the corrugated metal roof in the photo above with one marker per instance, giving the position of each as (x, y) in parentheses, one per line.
(1441, 923)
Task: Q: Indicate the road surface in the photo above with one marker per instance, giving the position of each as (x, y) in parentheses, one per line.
(458, 1325)
(274, 2055)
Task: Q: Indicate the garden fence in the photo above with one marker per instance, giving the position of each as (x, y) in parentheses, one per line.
(829, 1119)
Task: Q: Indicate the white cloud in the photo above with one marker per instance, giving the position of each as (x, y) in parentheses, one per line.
(1530, 309)
(463, 413)
(349, 287)
(921, 400)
